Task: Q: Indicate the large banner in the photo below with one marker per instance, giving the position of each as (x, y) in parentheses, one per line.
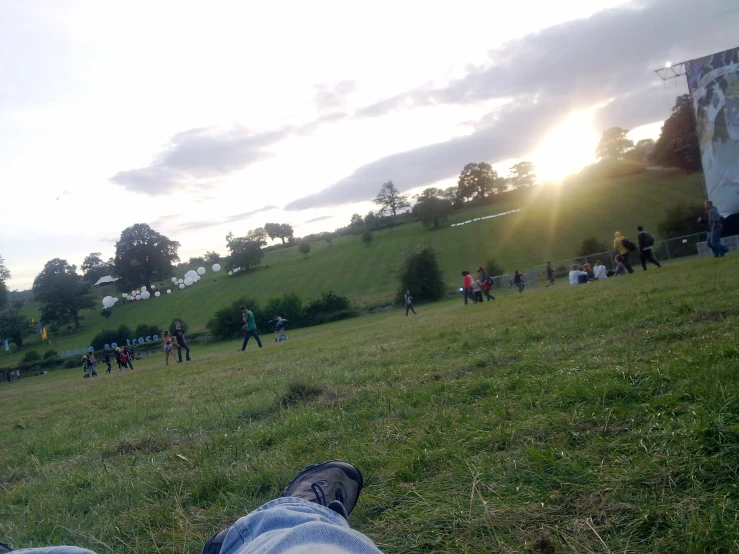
(714, 86)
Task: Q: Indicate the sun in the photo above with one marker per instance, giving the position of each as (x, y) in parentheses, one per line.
(567, 148)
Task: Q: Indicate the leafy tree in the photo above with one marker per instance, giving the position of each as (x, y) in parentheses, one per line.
(521, 175)
(14, 325)
(433, 211)
(431, 192)
(246, 252)
(280, 231)
(93, 267)
(196, 260)
(592, 245)
(478, 181)
(613, 144)
(641, 152)
(422, 275)
(678, 145)
(370, 221)
(4, 276)
(390, 200)
(143, 255)
(62, 293)
(357, 222)
(494, 268)
(106, 313)
(212, 257)
(367, 237)
(682, 219)
(304, 247)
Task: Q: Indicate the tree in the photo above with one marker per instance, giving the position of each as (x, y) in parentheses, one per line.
(641, 152)
(422, 275)
(367, 237)
(62, 293)
(14, 325)
(613, 144)
(681, 220)
(4, 276)
(431, 192)
(246, 251)
(196, 260)
(521, 175)
(212, 257)
(356, 222)
(678, 145)
(370, 221)
(433, 211)
(280, 231)
(592, 245)
(494, 268)
(106, 313)
(304, 247)
(142, 255)
(478, 181)
(93, 267)
(390, 200)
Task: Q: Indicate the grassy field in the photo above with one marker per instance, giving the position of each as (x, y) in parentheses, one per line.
(603, 418)
(551, 225)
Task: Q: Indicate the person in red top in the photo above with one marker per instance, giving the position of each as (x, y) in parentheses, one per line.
(467, 281)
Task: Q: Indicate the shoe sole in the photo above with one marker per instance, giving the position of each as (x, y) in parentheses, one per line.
(349, 469)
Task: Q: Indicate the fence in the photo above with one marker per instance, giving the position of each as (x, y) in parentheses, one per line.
(664, 250)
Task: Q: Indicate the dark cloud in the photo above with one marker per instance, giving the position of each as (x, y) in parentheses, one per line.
(609, 57)
(194, 225)
(331, 97)
(194, 159)
(319, 218)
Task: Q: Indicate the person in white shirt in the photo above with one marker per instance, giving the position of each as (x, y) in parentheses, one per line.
(576, 276)
(599, 272)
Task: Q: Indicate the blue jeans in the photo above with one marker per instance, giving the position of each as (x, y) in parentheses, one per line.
(282, 525)
(714, 243)
(248, 335)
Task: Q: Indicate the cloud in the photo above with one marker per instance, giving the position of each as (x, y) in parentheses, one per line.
(329, 98)
(195, 225)
(193, 159)
(319, 218)
(607, 59)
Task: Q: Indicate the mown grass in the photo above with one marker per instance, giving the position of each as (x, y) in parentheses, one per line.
(598, 418)
(552, 225)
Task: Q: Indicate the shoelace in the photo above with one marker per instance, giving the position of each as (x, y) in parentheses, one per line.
(320, 497)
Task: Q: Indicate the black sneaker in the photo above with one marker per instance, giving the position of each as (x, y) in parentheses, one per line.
(328, 484)
(4, 548)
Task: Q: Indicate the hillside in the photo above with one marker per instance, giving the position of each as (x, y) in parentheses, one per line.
(604, 418)
(551, 225)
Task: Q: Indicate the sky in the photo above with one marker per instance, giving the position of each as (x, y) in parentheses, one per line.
(200, 119)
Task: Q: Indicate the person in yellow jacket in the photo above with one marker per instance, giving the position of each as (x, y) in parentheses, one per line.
(621, 245)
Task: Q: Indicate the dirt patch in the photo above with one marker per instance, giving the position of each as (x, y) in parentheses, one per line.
(141, 445)
(298, 392)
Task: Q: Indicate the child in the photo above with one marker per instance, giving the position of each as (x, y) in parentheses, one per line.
(409, 302)
(487, 286)
(518, 281)
(107, 361)
(280, 326)
(167, 346)
(477, 289)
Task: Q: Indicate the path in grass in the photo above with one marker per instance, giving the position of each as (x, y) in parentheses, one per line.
(602, 417)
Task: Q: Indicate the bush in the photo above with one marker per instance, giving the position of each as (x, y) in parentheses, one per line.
(289, 306)
(682, 219)
(145, 330)
(107, 336)
(121, 334)
(106, 313)
(31, 357)
(330, 307)
(227, 322)
(421, 274)
(50, 354)
(367, 237)
(494, 268)
(73, 361)
(304, 247)
(592, 245)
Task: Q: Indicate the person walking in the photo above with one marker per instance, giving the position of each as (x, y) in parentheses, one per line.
(624, 247)
(715, 227)
(518, 281)
(179, 335)
(107, 361)
(550, 274)
(128, 358)
(477, 289)
(486, 281)
(250, 327)
(409, 302)
(280, 327)
(117, 355)
(467, 285)
(167, 347)
(646, 241)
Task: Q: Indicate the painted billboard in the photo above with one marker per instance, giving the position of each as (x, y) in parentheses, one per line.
(714, 87)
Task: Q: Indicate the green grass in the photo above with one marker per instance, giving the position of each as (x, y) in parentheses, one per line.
(604, 418)
(551, 226)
